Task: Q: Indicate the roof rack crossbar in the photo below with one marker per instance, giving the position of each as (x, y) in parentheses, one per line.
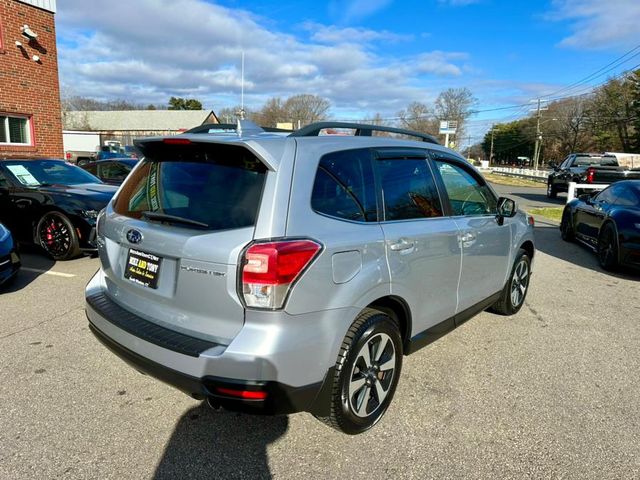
(204, 128)
(361, 130)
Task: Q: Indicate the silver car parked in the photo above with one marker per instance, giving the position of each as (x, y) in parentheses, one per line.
(275, 273)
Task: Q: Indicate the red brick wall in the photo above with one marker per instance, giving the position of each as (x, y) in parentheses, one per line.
(28, 87)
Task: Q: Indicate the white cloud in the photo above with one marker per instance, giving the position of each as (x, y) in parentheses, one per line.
(599, 24)
(351, 10)
(334, 34)
(440, 63)
(153, 49)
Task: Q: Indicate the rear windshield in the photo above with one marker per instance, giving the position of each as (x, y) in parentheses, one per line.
(217, 186)
(603, 161)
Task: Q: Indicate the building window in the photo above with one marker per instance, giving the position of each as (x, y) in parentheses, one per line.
(15, 130)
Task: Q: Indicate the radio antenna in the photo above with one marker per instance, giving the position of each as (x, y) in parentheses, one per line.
(242, 112)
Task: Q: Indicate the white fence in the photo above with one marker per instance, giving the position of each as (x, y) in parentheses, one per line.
(573, 186)
(528, 173)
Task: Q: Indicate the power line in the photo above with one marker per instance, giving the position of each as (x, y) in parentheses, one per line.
(594, 74)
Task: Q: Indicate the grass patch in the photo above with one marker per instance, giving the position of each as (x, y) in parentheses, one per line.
(512, 181)
(554, 213)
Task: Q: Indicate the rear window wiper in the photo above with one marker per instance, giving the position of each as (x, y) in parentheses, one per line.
(163, 217)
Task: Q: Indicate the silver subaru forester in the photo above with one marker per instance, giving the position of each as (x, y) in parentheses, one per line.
(277, 273)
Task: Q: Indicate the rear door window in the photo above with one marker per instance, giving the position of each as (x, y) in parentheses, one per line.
(344, 186)
(218, 186)
(408, 189)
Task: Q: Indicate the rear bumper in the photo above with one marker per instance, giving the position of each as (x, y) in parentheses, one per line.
(286, 357)
(279, 399)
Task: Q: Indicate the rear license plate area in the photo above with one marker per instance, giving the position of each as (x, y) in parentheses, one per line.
(143, 268)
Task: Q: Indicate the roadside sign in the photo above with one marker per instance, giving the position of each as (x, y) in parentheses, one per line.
(448, 127)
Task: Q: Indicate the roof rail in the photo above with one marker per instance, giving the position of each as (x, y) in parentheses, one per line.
(206, 127)
(362, 130)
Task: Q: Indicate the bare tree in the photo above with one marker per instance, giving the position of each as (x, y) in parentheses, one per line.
(568, 127)
(455, 104)
(272, 113)
(419, 117)
(305, 109)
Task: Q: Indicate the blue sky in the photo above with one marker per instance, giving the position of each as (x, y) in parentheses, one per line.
(365, 56)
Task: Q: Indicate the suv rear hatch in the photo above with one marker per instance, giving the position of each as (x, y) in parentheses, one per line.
(173, 235)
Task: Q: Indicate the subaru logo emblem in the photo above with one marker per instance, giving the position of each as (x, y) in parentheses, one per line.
(134, 236)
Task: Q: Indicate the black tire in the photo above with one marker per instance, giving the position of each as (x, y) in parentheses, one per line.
(519, 279)
(57, 236)
(566, 227)
(608, 247)
(551, 190)
(370, 331)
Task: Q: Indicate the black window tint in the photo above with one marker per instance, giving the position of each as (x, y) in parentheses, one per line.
(344, 186)
(408, 189)
(625, 196)
(606, 196)
(92, 169)
(4, 183)
(216, 185)
(466, 194)
(114, 171)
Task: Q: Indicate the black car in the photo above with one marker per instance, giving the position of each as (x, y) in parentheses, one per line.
(587, 168)
(608, 222)
(112, 171)
(53, 204)
(9, 258)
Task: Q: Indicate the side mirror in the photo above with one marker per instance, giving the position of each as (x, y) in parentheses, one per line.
(553, 165)
(585, 197)
(506, 209)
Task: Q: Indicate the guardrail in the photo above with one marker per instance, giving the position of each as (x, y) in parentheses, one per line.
(573, 186)
(528, 173)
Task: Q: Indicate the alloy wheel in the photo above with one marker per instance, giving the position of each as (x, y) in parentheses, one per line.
(519, 283)
(55, 236)
(606, 248)
(372, 375)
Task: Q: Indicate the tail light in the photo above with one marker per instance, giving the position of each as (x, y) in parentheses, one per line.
(176, 141)
(591, 173)
(68, 156)
(269, 270)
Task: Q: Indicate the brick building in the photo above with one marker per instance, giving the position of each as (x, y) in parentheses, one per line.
(30, 114)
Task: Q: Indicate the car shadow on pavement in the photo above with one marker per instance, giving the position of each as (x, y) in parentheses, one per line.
(542, 198)
(548, 240)
(34, 264)
(220, 444)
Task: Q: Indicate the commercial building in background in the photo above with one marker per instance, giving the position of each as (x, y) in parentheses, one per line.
(126, 125)
(30, 113)
(86, 133)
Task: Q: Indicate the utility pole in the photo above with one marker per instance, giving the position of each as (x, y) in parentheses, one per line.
(536, 150)
(491, 151)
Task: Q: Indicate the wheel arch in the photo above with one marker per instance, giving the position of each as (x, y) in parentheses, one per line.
(611, 221)
(397, 308)
(528, 247)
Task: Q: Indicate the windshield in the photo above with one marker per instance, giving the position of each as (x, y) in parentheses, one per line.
(33, 173)
(602, 161)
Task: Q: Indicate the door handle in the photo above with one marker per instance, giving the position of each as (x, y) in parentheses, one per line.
(403, 244)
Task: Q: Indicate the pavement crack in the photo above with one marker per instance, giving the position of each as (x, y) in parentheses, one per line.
(535, 313)
(31, 327)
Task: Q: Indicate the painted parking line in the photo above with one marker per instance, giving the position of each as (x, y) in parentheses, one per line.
(48, 272)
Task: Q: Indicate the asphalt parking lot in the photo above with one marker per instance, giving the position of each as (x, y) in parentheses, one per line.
(549, 393)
